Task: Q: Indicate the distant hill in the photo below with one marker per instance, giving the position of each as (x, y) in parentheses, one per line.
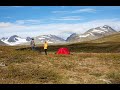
(92, 34)
(110, 38)
(105, 44)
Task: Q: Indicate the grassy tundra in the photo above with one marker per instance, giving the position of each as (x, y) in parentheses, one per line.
(94, 62)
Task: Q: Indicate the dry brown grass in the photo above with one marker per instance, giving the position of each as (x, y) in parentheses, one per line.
(32, 67)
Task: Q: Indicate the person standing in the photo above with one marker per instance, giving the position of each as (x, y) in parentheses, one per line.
(45, 47)
(32, 43)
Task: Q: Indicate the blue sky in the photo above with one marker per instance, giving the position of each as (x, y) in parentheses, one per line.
(58, 20)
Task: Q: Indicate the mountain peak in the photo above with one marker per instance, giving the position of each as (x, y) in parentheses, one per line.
(102, 29)
(71, 36)
(74, 34)
(92, 34)
(14, 36)
(105, 26)
(49, 38)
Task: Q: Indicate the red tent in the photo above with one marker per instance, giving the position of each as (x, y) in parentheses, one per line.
(63, 51)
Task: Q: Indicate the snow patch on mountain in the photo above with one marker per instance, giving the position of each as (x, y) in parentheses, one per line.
(49, 38)
(19, 41)
(84, 35)
(14, 40)
(98, 31)
(92, 34)
(41, 38)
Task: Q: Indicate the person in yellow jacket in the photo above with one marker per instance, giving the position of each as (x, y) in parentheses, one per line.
(45, 47)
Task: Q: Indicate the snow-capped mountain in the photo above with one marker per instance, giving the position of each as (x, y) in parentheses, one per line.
(105, 30)
(49, 38)
(16, 40)
(92, 34)
(13, 40)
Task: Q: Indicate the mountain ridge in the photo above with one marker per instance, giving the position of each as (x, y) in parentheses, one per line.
(92, 34)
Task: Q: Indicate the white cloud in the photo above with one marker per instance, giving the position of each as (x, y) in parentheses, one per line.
(28, 21)
(88, 10)
(60, 12)
(69, 18)
(84, 10)
(61, 29)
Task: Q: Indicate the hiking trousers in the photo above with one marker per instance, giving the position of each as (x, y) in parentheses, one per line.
(45, 51)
